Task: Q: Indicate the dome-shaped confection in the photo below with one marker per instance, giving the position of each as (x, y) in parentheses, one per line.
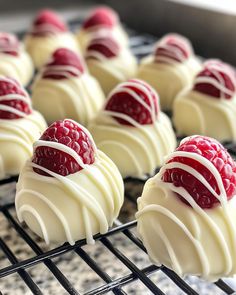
(132, 130)
(14, 60)
(209, 107)
(186, 214)
(65, 89)
(20, 126)
(48, 32)
(109, 62)
(103, 21)
(68, 190)
(170, 69)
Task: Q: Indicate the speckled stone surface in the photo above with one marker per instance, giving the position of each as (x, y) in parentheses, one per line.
(78, 272)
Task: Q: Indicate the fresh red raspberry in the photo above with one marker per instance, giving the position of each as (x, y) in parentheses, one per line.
(47, 22)
(63, 57)
(106, 46)
(174, 47)
(9, 44)
(217, 79)
(102, 16)
(120, 101)
(213, 151)
(69, 133)
(11, 86)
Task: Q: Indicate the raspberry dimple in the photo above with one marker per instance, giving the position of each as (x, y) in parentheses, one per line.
(63, 57)
(125, 103)
(173, 46)
(9, 44)
(102, 16)
(69, 133)
(213, 151)
(11, 86)
(223, 75)
(105, 45)
(50, 18)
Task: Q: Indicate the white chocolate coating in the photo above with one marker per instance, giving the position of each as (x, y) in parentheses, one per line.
(41, 48)
(168, 79)
(84, 36)
(73, 207)
(78, 98)
(198, 113)
(18, 67)
(111, 71)
(187, 239)
(16, 138)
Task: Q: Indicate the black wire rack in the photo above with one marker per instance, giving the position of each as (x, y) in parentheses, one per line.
(141, 45)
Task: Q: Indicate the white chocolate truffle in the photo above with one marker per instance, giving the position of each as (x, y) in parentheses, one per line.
(47, 34)
(170, 69)
(18, 128)
(132, 131)
(109, 63)
(102, 21)
(188, 238)
(15, 62)
(65, 89)
(72, 207)
(209, 108)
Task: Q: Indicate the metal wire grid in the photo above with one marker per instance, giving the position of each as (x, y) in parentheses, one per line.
(115, 285)
(141, 45)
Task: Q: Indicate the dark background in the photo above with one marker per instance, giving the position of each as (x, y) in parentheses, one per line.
(212, 33)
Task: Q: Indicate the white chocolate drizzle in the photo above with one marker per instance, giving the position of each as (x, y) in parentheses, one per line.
(172, 52)
(124, 88)
(25, 98)
(63, 70)
(47, 29)
(218, 81)
(108, 42)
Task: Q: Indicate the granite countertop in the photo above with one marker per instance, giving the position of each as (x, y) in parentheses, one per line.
(78, 272)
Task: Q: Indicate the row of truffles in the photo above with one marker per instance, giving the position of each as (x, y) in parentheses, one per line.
(69, 189)
(71, 177)
(188, 88)
(129, 123)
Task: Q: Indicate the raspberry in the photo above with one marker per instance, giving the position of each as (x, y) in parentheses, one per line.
(124, 102)
(71, 134)
(173, 47)
(9, 44)
(47, 22)
(9, 86)
(102, 16)
(213, 151)
(63, 57)
(217, 79)
(104, 46)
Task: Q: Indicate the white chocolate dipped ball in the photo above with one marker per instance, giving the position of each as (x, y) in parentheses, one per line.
(15, 62)
(209, 108)
(20, 126)
(65, 89)
(170, 69)
(47, 34)
(102, 21)
(191, 235)
(133, 131)
(72, 206)
(109, 62)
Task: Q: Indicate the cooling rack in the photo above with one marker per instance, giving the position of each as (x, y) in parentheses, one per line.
(141, 45)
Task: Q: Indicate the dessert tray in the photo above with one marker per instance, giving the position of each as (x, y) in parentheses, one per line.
(21, 267)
